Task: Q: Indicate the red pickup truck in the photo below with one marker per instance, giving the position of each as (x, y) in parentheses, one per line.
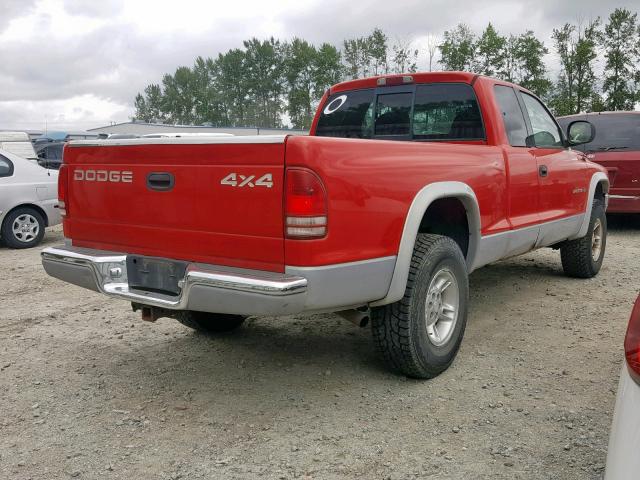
(405, 185)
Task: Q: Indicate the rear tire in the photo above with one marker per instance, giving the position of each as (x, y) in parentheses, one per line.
(210, 322)
(23, 228)
(582, 257)
(419, 336)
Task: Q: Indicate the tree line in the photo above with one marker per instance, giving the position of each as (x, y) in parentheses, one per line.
(267, 81)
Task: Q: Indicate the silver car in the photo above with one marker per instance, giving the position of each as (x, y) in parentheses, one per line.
(623, 457)
(28, 201)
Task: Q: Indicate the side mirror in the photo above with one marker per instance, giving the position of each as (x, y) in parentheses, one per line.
(580, 132)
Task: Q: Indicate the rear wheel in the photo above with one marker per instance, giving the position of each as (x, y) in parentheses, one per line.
(582, 258)
(23, 228)
(420, 335)
(210, 322)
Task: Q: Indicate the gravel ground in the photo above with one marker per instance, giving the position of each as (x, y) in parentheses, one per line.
(88, 390)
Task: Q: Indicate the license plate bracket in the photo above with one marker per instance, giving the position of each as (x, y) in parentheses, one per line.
(155, 274)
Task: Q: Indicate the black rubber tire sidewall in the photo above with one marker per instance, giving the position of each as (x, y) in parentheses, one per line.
(7, 231)
(599, 212)
(576, 254)
(399, 329)
(429, 354)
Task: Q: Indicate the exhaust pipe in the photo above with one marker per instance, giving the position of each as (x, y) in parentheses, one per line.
(359, 316)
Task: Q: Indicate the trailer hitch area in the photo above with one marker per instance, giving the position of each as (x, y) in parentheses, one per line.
(151, 314)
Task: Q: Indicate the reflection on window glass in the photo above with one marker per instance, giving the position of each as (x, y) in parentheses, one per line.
(393, 114)
(511, 115)
(545, 130)
(347, 115)
(613, 131)
(446, 112)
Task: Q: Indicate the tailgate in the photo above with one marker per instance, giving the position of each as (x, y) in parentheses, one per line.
(216, 201)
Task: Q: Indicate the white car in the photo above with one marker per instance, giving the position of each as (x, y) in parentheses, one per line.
(28, 200)
(623, 456)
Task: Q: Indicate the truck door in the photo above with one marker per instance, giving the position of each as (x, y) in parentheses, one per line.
(523, 174)
(562, 173)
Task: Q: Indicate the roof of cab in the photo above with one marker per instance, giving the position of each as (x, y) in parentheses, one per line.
(419, 77)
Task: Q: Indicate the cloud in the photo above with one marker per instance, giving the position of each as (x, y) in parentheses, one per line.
(55, 52)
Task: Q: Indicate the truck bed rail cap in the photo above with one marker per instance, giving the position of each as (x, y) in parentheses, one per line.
(180, 141)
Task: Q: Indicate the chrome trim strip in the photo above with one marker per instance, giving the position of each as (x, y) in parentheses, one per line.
(102, 264)
(625, 197)
(254, 139)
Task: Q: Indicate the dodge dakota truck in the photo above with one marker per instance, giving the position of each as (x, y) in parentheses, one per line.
(405, 185)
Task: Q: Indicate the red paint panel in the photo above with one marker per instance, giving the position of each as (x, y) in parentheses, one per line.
(200, 219)
(371, 184)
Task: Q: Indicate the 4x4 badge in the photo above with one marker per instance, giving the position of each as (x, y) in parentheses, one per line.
(236, 180)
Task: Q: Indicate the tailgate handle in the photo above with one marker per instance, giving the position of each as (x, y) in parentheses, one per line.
(160, 181)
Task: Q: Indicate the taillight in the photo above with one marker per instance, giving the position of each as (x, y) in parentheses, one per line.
(632, 342)
(305, 205)
(63, 184)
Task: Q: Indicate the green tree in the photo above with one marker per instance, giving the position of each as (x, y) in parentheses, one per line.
(490, 53)
(327, 70)
(529, 69)
(457, 50)
(377, 52)
(264, 71)
(366, 56)
(299, 73)
(621, 51)
(404, 57)
(149, 105)
(576, 88)
(179, 96)
(231, 88)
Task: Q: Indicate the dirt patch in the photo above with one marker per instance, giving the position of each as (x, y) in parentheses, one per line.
(88, 390)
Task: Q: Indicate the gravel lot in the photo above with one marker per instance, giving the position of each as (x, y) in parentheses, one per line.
(88, 390)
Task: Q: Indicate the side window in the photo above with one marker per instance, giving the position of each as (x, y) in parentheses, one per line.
(446, 112)
(512, 115)
(545, 130)
(393, 114)
(6, 167)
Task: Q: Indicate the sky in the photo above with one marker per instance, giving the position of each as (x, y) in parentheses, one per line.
(73, 64)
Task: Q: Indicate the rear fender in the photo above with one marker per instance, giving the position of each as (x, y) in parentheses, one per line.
(419, 206)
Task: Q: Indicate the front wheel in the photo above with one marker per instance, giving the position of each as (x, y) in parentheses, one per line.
(419, 336)
(210, 322)
(582, 257)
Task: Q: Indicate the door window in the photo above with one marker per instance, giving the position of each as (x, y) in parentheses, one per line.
(546, 133)
(512, 115)
(6, 167)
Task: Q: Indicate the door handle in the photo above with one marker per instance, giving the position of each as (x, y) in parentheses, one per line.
(160, 181)
(543, 171)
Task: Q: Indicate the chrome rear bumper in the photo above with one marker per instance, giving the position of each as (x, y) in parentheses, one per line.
(206, 288)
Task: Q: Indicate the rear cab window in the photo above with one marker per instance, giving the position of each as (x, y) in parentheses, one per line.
(423, 112)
